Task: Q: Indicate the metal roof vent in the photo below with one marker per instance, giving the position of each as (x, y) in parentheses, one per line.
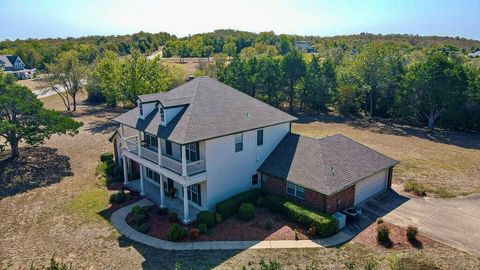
(333, 171)
(248, 114)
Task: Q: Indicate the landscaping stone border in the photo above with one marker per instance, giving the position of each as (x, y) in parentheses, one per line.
(118, 221)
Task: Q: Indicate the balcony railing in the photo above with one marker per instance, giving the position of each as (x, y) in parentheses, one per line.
(131, 145)
(172, 164)
(149, 154)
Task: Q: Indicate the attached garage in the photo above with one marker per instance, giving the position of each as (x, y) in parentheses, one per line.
(371, 186)
(331, 173)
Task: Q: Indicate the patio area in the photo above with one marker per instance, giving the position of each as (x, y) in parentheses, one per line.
(152, 192)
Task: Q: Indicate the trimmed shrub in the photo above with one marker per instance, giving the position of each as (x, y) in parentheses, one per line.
(205, 217)
(379, 220)
(106, 157)
(412, 232)
(383, 233)
(110, 167)
(117, 171)
(269, 224)
(203, 228)
(140, 219)
(193, 233)
(325, 224)
(246, 211)
(118, 197)
(137, 210)
(230, 206)
(261, 202)
(172, 217)
(218, 218)
(144, 228)
(176, 233)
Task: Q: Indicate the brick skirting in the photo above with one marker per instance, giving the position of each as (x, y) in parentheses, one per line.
(319, 201)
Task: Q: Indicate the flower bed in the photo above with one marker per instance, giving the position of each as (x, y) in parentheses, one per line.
(397, 238)
(231, 229)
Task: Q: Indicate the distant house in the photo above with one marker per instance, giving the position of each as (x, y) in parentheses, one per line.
(303, 46)
(200, 143)
(474, 54)
(14, 65)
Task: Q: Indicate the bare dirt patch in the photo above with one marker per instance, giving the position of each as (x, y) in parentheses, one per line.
(445, 162)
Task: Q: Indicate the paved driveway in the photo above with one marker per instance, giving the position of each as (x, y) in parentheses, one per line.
(455, 222)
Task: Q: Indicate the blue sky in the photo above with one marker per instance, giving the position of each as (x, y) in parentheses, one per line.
(48, 18)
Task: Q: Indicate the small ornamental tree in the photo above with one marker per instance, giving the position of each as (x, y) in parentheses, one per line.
(24, 119)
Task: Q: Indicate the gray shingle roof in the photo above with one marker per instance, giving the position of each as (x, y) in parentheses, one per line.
(326, 165)
(212, 109)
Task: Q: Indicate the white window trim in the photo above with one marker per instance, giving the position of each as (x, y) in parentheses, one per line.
(163, 121)
(238, 139)
(263, 137)
(141, 109)
(297, 190)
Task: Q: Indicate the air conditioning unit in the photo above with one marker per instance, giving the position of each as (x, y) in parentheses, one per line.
(340, 219)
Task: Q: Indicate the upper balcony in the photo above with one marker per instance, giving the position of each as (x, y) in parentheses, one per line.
(169, 162)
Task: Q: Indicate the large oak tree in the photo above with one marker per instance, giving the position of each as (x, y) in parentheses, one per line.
(24, 119)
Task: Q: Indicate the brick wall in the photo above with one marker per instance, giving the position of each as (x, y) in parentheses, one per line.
(278, 186)
(347, 199)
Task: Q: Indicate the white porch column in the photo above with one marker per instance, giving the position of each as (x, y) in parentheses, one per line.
(162, 193)
(142, 190)
(139, 143)
(185, 205)
(125, 172)
(159, 142)
(184, 161)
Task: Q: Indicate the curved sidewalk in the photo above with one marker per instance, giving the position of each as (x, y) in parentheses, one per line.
(118, 221)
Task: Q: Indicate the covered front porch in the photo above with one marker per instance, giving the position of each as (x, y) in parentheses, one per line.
(152, 192)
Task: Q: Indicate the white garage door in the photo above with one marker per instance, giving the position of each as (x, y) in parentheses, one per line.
(371, 186)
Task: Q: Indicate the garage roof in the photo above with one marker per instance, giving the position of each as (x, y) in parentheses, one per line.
(326, 165)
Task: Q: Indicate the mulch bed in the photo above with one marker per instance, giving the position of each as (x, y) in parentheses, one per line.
(398, 238)
(131, 197)
(233, 229)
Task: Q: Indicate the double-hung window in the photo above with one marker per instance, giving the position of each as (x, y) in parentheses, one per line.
(191, 152)
(194, 194)
(153, 175)
(151, 141)
(259, 137)
(168, 148)
(162, 115)
(296, 190)
(238, 142)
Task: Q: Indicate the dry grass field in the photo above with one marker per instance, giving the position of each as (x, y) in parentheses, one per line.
(52, 205)
(446, 163)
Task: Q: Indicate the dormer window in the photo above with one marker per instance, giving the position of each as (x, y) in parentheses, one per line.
(162, 115)
(140, 107)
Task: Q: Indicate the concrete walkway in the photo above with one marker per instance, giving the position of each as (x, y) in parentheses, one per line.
(118, 221)
(454, 222)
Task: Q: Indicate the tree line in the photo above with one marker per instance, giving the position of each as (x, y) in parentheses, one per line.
(434, 86)
(38, 53)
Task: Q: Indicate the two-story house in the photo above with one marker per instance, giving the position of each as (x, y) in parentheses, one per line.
(203, 142)
(14, 65)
